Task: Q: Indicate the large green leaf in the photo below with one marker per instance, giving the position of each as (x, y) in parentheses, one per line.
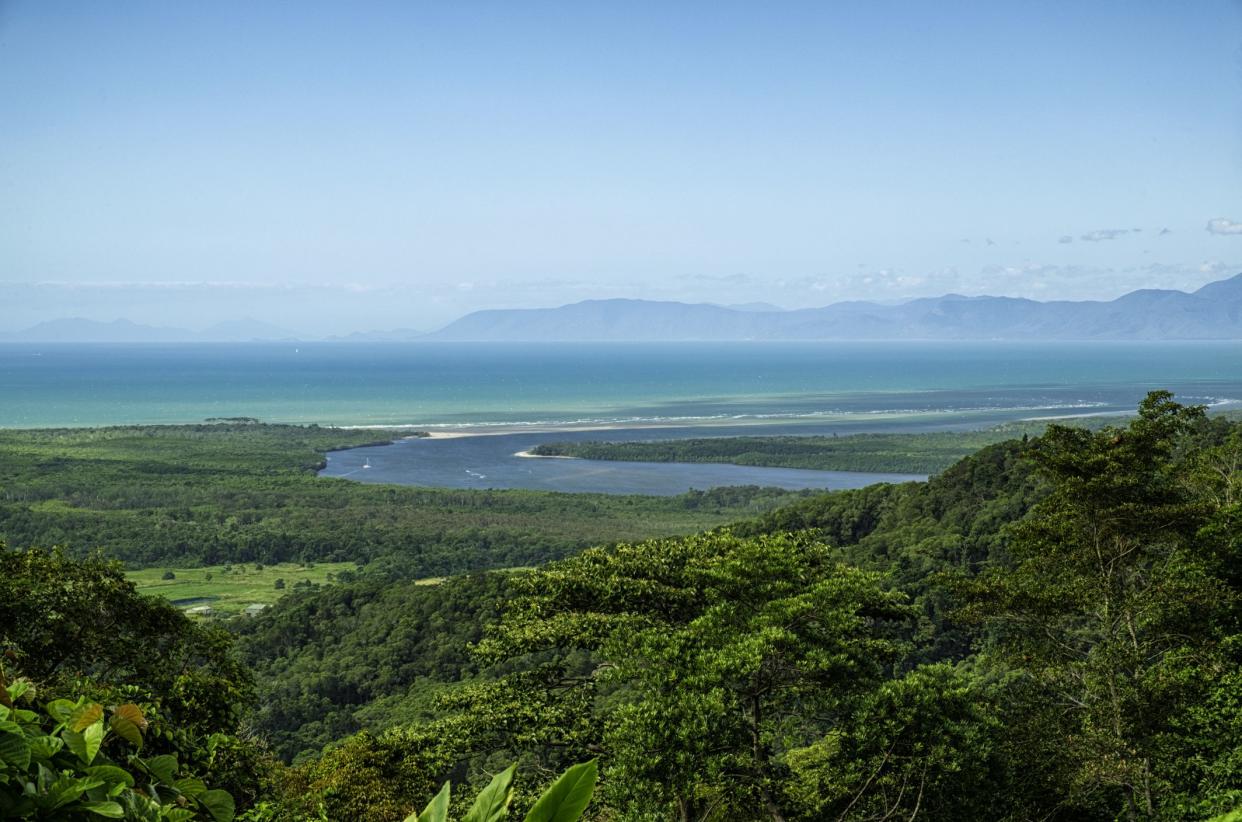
(133, 713)
(219, 804)
(109, 809)
(94, 736)
(43, 748)
(190, 786)
(67, 789)
(492, 803)
(126, 730)
(60, 709)
(20, 688)
(568, 797)
(85, 744)
(163, 767)
(84, 716)
(111, 774)
(15, 751)
(437, 809)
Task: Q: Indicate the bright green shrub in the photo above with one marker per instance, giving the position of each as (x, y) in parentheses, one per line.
(76, 761)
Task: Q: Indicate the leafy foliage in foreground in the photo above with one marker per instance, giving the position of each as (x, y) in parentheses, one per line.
(564, 801)
(77, 761)
(210, 494)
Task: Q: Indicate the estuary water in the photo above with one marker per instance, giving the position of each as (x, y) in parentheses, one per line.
(525, 393)
(495, 461)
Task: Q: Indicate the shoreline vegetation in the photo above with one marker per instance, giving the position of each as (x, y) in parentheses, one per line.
(210, 494)
(927, 452)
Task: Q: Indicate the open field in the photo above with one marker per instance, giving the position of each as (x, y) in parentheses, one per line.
(230, 588)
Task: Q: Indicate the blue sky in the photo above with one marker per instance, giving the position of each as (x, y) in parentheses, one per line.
(370, 165)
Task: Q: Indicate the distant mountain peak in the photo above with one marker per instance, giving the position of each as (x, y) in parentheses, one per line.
(1222, 288)
(1212, 312)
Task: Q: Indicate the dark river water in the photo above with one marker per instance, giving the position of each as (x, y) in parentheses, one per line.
(490, 462)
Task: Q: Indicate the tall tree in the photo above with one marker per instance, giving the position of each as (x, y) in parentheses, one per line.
(728, 677)
(1113, 603)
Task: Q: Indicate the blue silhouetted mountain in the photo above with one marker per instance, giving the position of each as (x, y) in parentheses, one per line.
(1212, 312)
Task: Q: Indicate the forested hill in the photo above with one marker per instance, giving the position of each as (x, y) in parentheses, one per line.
(1047, 630)
(596, 655)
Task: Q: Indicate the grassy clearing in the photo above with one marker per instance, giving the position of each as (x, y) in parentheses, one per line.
(230, 588)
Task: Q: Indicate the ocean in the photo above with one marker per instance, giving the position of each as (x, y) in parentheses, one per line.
(487, 386)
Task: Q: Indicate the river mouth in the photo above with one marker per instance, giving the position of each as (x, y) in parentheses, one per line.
(496, 461)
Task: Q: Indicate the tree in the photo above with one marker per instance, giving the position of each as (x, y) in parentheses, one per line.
(1113, 607)
(720, 655)
(918, 747)
(65, 619)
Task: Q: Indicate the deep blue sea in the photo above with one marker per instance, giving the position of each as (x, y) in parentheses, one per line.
(519, 392)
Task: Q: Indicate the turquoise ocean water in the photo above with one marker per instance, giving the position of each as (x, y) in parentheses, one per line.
(859, 385)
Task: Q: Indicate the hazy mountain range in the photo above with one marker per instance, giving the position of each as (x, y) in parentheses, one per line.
(1212, 312)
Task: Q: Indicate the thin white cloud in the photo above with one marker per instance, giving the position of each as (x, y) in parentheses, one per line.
(86, 285)
(1221, 225)
(1103, 234)
(1215, 267)
(724, 279)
